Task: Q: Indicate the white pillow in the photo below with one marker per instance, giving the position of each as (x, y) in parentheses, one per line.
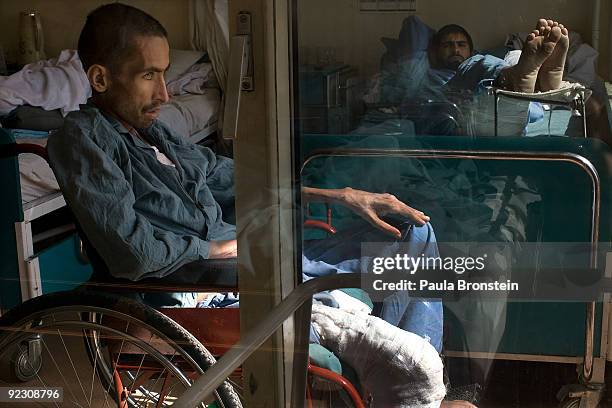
(181, 61)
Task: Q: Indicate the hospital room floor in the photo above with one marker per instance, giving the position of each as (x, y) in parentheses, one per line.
(512, 384)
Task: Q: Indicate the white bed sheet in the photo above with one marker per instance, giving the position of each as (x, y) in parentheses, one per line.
(37, 179)
(189, 114)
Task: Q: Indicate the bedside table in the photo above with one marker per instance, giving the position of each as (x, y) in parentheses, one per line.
(324, 98)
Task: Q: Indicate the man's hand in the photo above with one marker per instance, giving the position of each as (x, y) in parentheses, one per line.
(456, 404)
(222, 249)
(370, 206)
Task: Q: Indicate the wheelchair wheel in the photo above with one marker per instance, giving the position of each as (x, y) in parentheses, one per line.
(102, 350)
(22, 363)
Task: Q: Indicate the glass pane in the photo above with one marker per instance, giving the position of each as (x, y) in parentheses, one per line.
(444, 151)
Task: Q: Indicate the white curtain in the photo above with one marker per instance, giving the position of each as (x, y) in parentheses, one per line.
(209, 31)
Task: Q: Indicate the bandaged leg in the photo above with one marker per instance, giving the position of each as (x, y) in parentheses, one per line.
(512, 116)
(399, 368)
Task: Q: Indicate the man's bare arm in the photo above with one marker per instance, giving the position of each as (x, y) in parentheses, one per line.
(370, 206)
(222, 249)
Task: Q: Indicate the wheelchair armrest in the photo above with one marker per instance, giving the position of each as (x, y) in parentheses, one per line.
(320, 225)
(206, 275)
(323, 225)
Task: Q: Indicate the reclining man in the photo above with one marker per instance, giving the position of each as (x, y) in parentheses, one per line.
(151, 202)
(539, 69)
(457, 75)
(452, 58)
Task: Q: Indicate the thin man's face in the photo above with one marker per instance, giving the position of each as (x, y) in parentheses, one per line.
(454, 49)
(138, 92)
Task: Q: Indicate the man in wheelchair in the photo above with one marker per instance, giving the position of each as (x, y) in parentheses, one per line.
(152, 203)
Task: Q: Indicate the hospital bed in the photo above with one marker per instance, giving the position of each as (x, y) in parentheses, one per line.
(480, 190)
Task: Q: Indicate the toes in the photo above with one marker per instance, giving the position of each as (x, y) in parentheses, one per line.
(541, 24)
(555, 34)
(549, 23)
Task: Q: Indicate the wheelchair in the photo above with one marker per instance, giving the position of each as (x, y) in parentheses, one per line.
(103, 347)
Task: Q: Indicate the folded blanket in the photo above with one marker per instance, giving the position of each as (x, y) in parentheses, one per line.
(194, 81)
(58, 83)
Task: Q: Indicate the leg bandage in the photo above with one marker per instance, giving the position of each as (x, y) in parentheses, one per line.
(399, 368)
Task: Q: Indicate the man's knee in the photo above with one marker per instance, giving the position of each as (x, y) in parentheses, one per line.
(424, 233)
(422, 241)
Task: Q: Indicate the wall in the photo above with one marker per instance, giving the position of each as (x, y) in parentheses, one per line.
(605, 28)
(62, 21)
(356, 35)
(338, 23)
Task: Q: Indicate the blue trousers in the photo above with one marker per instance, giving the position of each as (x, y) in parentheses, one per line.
(342, 254)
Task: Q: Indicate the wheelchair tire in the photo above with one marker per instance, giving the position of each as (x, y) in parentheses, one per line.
(126, 333)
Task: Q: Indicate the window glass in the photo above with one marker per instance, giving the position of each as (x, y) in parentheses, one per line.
(463, 135)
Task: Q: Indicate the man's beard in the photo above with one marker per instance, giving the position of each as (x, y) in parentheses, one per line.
(151, 107)
(453, 62)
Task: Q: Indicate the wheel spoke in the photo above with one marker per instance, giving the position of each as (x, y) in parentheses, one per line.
(58, 369)
(163, 372)
(93, 375)
(97, 352)
(114, 366)
(139, 368)
(72, 363)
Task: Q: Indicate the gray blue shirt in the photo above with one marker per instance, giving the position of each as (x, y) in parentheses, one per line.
(145, 218)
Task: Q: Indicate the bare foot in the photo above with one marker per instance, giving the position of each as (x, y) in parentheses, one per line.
(551, 72)
(456, 404)
(538, 47)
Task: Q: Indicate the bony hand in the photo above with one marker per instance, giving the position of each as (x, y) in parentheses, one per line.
(456, 404)
(222, 249)
(372, 206)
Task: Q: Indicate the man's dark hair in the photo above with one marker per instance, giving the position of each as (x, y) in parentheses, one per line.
(450, 29)
(109, 32)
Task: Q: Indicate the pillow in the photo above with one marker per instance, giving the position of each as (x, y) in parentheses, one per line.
(413, 37)
(189, 113)
(181, 61)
